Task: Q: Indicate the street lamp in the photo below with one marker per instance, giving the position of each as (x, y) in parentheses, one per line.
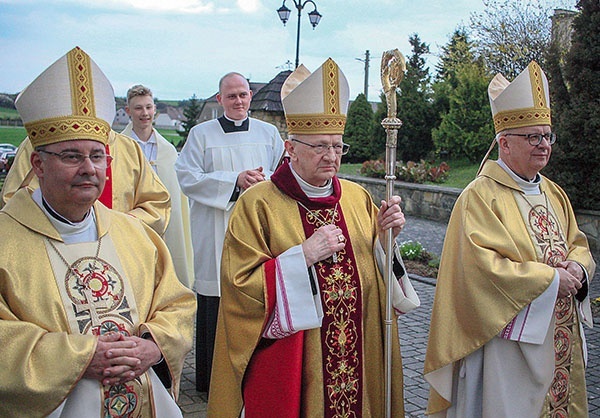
(314, 17)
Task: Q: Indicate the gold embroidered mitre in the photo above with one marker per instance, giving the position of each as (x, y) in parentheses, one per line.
(524, 102)
(72, 99)
(316, 103)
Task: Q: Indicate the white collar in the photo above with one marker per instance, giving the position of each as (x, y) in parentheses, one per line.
(235, 122)
(313, 191)
(528, 187)
(151, 140)
(70, 232)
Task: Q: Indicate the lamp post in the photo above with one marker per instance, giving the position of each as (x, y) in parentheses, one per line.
(314, 17)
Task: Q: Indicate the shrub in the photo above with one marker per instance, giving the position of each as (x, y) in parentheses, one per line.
(410, 172)
(373, 168)
(438, 174)
(414, 250)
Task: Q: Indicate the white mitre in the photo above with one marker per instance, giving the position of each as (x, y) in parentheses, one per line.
(72, 99)
(316, 103)
(524, 102)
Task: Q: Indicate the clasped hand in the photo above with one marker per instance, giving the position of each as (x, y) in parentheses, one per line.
(249, 178)
(570, 276)
(119, 358)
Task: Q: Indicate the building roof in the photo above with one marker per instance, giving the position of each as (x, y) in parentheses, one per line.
(269, 97)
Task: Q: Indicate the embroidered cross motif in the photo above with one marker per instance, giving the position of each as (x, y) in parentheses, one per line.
(91, 306)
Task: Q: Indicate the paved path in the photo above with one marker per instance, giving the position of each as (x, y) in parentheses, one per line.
(413, 338)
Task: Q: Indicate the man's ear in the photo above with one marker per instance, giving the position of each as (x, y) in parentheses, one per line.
(503, 144)
(37, 164)
(290, 149)
(127, 110)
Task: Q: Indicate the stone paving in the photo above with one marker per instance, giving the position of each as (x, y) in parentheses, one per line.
(413, 338)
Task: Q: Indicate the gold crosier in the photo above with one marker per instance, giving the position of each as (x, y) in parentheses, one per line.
(393, 67)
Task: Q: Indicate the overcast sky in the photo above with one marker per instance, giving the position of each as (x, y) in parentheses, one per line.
(182, 47)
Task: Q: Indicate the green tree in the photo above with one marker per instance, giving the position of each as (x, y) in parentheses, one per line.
(576, 111)
(7, 101)
(379, 135)
(509, 34)
(192, 114)
(359, 130)
(415, 105)
(415, 108)
(461, 100)
(466, 129)
(458, 51)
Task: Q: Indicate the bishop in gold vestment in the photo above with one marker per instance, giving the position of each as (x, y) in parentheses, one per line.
(506, 337)
(49, 336)
(301, 320)
(93, 320)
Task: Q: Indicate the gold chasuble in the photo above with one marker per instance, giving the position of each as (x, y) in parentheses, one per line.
(529, 235)
(56, 298)
(332, 371)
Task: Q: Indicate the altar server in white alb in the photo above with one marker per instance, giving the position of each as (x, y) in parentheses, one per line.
(506, 337)
(161, 155)
(220, 159)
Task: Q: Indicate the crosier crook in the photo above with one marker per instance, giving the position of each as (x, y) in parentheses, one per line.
(393, 67)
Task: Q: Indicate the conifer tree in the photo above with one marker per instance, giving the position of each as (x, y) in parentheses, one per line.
(576, 111)
(462, 101)
(466, 129)
(192, 114)
(359, 130)
(415, 106)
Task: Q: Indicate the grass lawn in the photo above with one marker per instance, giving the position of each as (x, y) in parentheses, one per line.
(12, 134)
(350, 169)
(8, 113)
(16, 134)
(461, 173)
(171, 135)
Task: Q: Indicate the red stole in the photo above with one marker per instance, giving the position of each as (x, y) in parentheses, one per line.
(106, 196)
(273, 380)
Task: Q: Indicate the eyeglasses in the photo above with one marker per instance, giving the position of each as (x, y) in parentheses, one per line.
(75, 159)
(536, 139)
(339, 149)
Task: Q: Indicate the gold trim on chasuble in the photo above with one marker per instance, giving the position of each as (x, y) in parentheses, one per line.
(341, 333)
(551, 248)
(331, 121)
(83, 122)
(97, 300)
(539, 114)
